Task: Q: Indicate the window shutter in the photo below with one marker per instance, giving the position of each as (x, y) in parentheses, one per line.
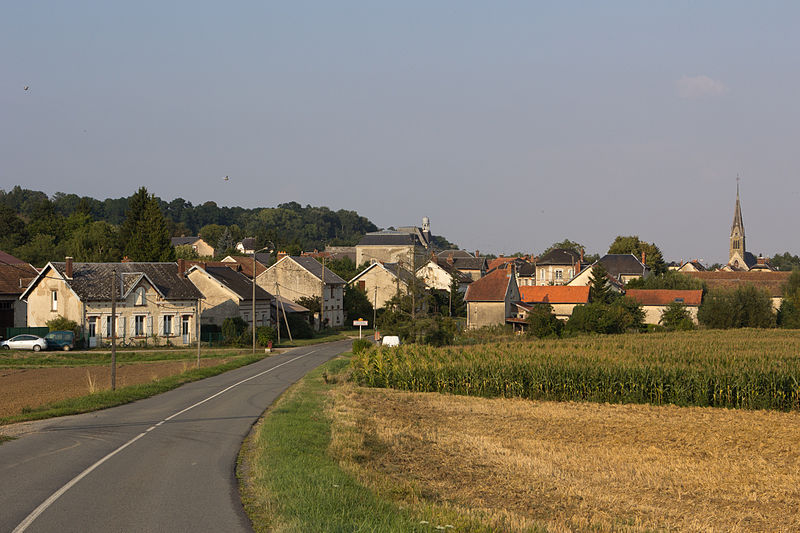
(149, 326)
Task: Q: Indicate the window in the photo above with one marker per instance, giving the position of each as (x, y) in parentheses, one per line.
(138, 298)
(6, 305)
(138, 325)
(679, 300)
(362, 285)
(109, 329)
(92, 326)
(559, 274)
(166, 328)
(54, 300)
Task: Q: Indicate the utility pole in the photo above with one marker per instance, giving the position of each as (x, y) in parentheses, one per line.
(375, 307)
(286, 320)
(198, 330)
(322, 300)
(254, 302)
(113, 329)
(278, 310)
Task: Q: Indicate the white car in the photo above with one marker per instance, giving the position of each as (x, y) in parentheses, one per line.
(391, 340)
(24, 342)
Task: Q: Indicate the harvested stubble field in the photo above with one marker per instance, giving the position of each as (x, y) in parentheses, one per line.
(23, 388)
(747, 368)
(520, 465)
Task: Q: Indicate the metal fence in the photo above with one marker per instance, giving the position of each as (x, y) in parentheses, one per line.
(12, 332)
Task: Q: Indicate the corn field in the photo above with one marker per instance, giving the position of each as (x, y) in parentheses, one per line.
(746, 368)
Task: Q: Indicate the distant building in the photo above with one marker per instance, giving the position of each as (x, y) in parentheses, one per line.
(490, 300)
(739, 259)
(655, 301)
(381, 282)
(621, 269)
(14, 279)
(200, 246)
(407, 245)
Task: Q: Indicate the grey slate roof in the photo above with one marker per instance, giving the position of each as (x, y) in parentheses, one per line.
(470, 263)
(622, 265)
(182, 241)
(444, 254)
(559, 256)
(390, 238)
(92, 281)
(315, 268)
(402, 273)
(238, 283)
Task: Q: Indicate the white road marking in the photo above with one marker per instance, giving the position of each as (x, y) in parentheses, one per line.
(57, 494)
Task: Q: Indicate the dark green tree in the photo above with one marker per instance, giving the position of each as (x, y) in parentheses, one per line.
(745, 306)
(785, 261)
(670, 279)
(542, 322)
(676, 317)
(356, 304)
(599, 288)
(789, 312)
(144, 233)
(633, 245)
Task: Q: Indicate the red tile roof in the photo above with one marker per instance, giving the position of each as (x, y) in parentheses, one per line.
(554, 294)
(664, 296)
(246, 264)
(490, 288)
(494, 263)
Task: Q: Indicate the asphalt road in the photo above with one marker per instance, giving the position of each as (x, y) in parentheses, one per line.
(166, 463)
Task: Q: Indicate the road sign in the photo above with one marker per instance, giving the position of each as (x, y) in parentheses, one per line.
(360, 322)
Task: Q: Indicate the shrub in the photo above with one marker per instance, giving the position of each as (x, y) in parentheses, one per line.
(621, 315)
(233, 328)
(360, 345)
(676, 318)
(299, 327)
(63, 324)
(265, 335)
(542, 322)
(744, 307)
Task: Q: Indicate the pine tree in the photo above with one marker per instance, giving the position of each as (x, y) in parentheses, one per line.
(144, 235)
(599, 290)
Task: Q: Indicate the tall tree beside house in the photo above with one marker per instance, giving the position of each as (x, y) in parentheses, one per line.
(567, 244)
(599, 290)
(144, 233)
(633, 245)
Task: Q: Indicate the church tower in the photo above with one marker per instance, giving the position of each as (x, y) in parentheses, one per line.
(737, 250)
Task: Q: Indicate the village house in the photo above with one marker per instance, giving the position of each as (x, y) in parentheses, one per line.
(440, 275)
(558, 266)
(296, 277)
(691, 266)
(621, 269)
(474, 266)
(201, 247)
(155, 301)
(245, 264)
(228, 293)
(15, 276)
(381, 282)
(655, 301)
(561, 298)
(490, 300)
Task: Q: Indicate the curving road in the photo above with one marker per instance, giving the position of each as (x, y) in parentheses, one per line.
(161, 464)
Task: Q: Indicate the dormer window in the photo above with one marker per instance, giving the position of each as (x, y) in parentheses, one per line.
(138, 297)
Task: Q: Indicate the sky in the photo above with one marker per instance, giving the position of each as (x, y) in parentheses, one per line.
(511, 125)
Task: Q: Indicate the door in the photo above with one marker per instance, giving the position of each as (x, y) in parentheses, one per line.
(92, 332)
(185, 329)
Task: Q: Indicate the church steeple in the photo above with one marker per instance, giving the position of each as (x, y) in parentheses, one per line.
(737, 245)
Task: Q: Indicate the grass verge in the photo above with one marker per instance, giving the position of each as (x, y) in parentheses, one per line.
(107, 398)
(289, 482)
(27, 359)
(328, 336)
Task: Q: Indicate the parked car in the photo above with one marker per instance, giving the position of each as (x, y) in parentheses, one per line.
(60, 340)
(390, 340)
(24, 342)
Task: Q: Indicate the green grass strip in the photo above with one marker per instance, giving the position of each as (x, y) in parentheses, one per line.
(293, 485)
(108, 398)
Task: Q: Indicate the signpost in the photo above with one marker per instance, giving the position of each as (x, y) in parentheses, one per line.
(360, 322)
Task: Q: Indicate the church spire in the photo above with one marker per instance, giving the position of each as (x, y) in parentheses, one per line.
(737, 250)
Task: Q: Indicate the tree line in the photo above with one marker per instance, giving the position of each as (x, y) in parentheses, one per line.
(37, 228)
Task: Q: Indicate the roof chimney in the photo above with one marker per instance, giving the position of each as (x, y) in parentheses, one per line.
(643, 258)
(450, 259)
(581, 254)
(181, 266)
(281, 255)
(68, 268)
(477, 253)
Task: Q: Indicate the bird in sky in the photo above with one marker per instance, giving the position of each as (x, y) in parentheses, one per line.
(26, 87)
(225, 178)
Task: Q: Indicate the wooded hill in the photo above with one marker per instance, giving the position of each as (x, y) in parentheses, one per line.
(38, 228)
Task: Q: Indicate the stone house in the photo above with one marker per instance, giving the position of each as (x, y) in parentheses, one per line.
(474, 266)
(200, 246)
(655, 301)
(245, 264)
(691, 266)
(558, 266)
(561, 298)
(391, 247)
(296, 277)
(155, 301)
(15, 276)
(440, 275)
(490, 300)
(381, 282)
(228, 293)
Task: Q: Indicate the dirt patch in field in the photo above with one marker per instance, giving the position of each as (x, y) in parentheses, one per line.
(32, 387)
(576, 466)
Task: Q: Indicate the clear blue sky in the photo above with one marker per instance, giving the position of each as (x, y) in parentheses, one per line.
(510, 124)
